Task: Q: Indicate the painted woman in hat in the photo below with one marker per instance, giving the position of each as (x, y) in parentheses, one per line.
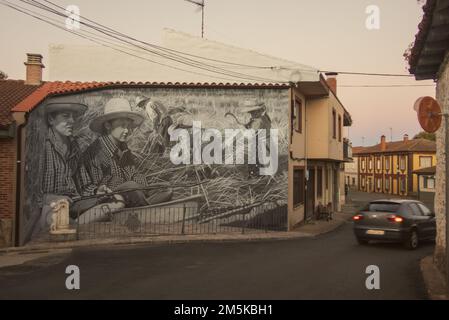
(108, 159)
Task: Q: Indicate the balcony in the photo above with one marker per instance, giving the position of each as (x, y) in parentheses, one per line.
(347, 150)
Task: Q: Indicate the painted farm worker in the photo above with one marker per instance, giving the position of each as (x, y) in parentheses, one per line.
(63, 175)
(111, 163)
(259, 119)
(159, 139)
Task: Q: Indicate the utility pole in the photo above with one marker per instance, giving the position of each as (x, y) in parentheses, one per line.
(201, 5)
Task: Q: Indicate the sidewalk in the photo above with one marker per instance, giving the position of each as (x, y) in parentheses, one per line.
(306, 230)
(433, 280)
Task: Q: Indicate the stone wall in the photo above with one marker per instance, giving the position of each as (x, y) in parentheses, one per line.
(442, 95)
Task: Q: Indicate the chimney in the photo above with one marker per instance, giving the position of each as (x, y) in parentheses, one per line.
(34, 68)
(405, 137)
(331, 79)
(383, 143)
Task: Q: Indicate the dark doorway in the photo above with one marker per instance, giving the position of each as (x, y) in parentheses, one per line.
(310, 195)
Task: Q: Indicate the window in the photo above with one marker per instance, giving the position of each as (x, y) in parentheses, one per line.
(370, 166)
(431, 183)
(363, 164)
(428, 182)
(382, 207)
(298, 187)
(425, 162)
(402, 184)
(326, 178)
(415, 209)
(298, 115)
(379, 183)
(363, 182)
(353, 181)
(378, 164)
(402, 163)
(334, 124)
(320, 182)
(387, 184)
(387, 163)
(424, 209)
(339, 128)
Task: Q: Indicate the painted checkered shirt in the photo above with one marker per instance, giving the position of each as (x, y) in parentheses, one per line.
(109, 165)
(63, 174)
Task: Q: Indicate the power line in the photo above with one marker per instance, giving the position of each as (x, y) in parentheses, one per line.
(162, 48)
(386, 86)
(173, 57)
(179, 56)
(369, 74)
(98, 42)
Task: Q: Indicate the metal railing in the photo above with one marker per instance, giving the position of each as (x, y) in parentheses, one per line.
(181, 220)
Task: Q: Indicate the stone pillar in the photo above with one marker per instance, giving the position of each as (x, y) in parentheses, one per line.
(442, 95)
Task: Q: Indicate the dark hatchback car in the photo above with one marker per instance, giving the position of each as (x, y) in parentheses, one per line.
(406, 221)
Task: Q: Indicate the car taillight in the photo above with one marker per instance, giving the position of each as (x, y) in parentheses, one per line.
(395, 218)
(357, 217)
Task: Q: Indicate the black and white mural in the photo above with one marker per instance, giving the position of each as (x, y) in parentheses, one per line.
(150, 147)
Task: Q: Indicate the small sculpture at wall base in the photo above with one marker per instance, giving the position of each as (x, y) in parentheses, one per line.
(60, 218)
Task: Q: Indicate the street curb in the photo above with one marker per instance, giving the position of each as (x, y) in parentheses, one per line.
(158, 240)
(168, 240)
(433, 280)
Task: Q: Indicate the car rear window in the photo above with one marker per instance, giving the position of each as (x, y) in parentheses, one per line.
(382, 207)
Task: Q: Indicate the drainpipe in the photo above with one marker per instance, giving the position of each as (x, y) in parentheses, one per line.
(305, 157)
(20, 119)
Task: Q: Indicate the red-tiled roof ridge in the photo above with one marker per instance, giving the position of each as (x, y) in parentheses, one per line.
(59, 87)
(415, 145)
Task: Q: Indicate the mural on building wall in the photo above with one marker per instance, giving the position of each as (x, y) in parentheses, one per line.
(114, 149)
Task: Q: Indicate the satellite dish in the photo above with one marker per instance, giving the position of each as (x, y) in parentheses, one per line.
(429, 113)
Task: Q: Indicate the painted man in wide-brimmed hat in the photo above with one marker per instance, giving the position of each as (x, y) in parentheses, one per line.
(110, 162)
(62, 152)
(63, 174)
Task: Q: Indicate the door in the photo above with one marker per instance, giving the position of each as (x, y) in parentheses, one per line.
(310, 194)
(336, 193)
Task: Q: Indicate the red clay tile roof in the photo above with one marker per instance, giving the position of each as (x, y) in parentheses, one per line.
(56, 88)
(415, 145)
(421, 36)
(11, 93)
(356, 150)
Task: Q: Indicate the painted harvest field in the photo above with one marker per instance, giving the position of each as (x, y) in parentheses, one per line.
(221, 186)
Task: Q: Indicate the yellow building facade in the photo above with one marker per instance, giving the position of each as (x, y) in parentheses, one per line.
(388, 167)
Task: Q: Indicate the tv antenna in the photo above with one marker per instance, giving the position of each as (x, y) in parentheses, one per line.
(201, 5)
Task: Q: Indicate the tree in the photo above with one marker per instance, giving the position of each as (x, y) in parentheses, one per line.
(3, 76)
(425, 135)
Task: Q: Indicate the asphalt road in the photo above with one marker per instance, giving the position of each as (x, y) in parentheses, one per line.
(331, 266)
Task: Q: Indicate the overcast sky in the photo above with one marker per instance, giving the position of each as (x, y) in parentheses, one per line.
(326, 34)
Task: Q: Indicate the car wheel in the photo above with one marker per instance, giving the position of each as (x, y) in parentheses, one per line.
(412, 242)
(361, 241)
